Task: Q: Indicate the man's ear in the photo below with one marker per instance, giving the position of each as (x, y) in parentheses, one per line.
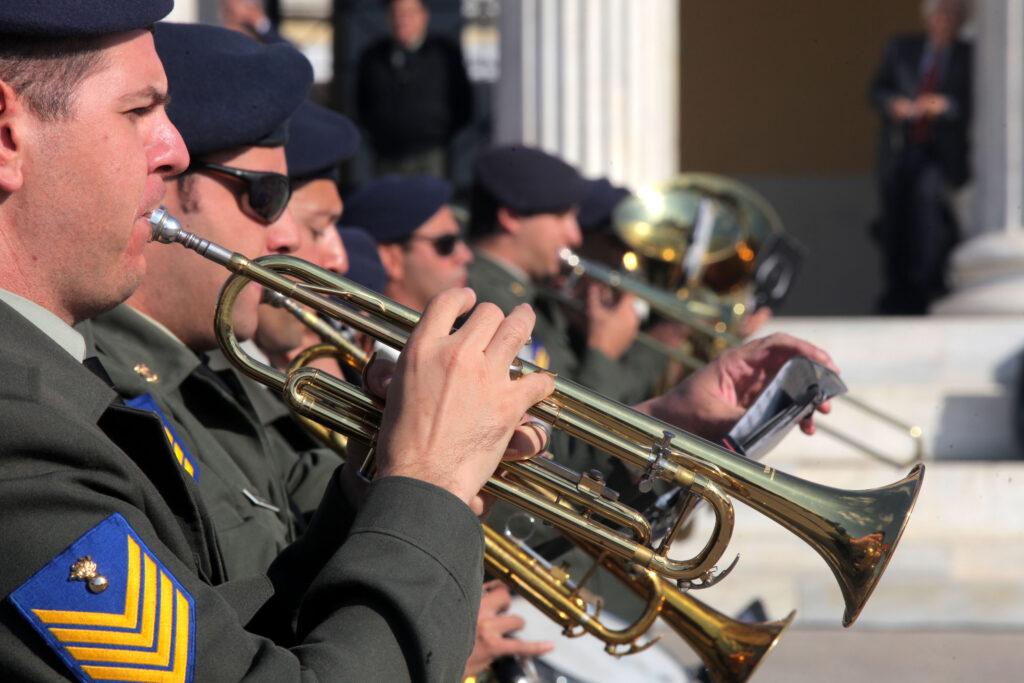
(12, 116)
(393, 259)
(508, 221)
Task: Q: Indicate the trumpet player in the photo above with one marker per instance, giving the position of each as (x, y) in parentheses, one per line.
(418, 239)
(103, 523)
(522, 214)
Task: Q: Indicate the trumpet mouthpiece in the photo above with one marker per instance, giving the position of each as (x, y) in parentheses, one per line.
(165, 227)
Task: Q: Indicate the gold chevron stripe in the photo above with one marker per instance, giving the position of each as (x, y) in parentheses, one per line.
(144, 638)
(165, 622)
(129, 619)
(175, 675)
(158, 657)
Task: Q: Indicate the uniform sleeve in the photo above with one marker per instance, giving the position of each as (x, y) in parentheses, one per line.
(884, 84)
(396, 601)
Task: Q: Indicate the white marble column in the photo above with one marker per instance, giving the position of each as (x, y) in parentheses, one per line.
(987, 270)
(594, 81)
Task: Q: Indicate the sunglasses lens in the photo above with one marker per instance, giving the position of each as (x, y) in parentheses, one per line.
(445, 244)
(268, 196)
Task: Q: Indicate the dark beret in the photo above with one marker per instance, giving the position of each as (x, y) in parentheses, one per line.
(227, 90)
(72, 18)
(364, 265)
(392, 207)
(596, 209)
(318, 141)
(528, 180)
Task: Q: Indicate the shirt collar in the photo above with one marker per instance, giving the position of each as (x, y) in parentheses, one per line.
(53, 327)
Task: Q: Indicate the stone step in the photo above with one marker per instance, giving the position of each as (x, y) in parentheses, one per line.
(959, 564)
(954, 377)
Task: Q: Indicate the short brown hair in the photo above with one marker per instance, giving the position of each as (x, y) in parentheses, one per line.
(47, 73)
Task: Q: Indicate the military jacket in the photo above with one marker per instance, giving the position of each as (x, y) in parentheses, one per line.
(110, 566)
(552, 347)
(206, 410)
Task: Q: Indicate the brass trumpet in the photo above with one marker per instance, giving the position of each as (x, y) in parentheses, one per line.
(730, 649)
(855, 532)
(683, 312)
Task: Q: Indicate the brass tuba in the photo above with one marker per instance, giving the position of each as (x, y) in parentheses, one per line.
(855, 532)
(663, 224)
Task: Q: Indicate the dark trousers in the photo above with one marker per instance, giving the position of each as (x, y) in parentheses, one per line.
(917, 231)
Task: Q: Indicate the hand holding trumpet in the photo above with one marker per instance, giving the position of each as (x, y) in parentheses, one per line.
(452, 408)
(710, 401)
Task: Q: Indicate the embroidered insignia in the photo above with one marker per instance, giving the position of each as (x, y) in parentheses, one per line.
(185, 459)
(85, 570)
(143, 371)
(140, 628)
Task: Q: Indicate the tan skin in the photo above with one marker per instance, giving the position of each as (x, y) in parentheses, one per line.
(181, 290)
(532, 243)
(416, 272)
(80, 257)
(316, 207)
(408, 20)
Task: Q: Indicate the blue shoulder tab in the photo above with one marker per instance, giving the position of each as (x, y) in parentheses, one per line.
(112, 610)
(536, 353)
(185, 459)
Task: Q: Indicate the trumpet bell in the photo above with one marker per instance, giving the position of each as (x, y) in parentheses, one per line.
(660, 223)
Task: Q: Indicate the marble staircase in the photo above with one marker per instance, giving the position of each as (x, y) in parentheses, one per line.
(961, 560)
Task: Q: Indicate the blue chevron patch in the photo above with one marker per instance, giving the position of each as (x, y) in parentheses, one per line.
(135, 622)
(185, 459)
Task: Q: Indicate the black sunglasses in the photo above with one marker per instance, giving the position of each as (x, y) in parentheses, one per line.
(267, 193)
(444, 245)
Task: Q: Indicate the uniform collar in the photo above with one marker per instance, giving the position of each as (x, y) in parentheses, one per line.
(140, 354)
(52, 326)
(518, 282)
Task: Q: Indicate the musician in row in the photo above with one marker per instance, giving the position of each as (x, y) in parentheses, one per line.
(102, 514)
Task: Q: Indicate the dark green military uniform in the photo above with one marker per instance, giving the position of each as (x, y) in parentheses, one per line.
(500, 285)
(82, 471)
(240, 467)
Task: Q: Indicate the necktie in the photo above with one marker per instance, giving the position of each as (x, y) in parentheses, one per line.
(922, 129)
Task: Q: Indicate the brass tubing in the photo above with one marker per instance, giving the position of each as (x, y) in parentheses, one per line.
(855, 532)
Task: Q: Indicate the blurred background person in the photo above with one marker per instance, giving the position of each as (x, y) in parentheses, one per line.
(923, 93)
(249, 17)
(412, 94)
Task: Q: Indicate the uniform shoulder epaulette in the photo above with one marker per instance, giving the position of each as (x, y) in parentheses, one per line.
(181, 453)
(111, 610)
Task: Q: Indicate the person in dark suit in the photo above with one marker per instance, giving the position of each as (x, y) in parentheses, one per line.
(923, 93)
(412, 94)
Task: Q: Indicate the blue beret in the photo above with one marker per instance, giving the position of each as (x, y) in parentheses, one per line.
(392, 207)
(70, 18)
(596, 209)
(364, 265)
(318, 141)
(528, 180)
(227, 90)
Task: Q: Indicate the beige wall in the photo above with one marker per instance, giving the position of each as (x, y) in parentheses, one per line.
(779, 87)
